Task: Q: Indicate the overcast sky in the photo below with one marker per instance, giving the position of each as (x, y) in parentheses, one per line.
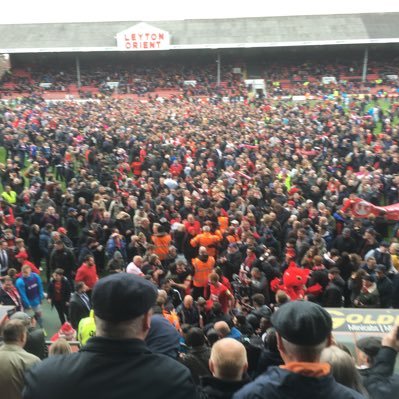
(41, 11)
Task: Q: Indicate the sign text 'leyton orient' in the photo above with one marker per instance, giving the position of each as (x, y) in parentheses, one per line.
(143, 37)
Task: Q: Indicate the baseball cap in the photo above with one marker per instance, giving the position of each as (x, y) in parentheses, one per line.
(24, 317)
(302, 323)
(123, 296)
(21, 255)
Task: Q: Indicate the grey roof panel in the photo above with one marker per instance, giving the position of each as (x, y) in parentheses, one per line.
(197, 33)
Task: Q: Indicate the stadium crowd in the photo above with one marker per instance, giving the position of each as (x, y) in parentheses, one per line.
(198, 79)
(192, 80)
(230, 209)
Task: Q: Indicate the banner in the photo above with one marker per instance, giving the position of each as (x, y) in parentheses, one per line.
(45, 85)
(363, 320)
(328, 80)
(361, 209)
(112, 85)
(192, 83)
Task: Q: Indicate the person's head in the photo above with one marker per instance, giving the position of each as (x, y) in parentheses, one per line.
(7, 283)
(303, 331)
(26, 320)
(180, 266)
(270, 341)
(89, 259)
(367, 350)
(59, 347)
(188, 301)
(333, 273)
(367, 281)
(258, 300)
(371, 262)
(21, 257)
(26, 271)
(122, 305)
(80, 287)
(380, 271)
(222, 328)
(384, 246)
(213, 278)
(228, 360)
(195, 337)
(138, 261)
(346, 232)
(14, 333)
(212, 336)
(58, 274)
(256, 274)
(202, 251)
(343, 367)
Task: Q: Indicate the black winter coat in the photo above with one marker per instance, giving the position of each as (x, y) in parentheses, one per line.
(385, 289)
(379, 380)
(109, 369)
(65, 290)
(214, 388)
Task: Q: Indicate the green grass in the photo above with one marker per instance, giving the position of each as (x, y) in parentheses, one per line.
(385, 106)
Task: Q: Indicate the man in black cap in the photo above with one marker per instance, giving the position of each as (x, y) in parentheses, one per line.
(116, 363)
(303, 330)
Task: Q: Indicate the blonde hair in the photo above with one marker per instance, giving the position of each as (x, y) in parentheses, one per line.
(343, 368)
(60, 347)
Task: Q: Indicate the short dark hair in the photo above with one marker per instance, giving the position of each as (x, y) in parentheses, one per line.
(258, 299)
(212, 336)
(79, 285)
(195, 337)
(271, 340)
(13, 331)
(59, 271)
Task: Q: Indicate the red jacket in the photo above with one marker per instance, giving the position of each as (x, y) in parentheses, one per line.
(87, 274)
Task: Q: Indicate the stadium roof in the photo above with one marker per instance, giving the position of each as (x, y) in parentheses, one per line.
(208, 34)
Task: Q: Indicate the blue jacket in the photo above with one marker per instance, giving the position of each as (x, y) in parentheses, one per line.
(278, 383)
(24, 285)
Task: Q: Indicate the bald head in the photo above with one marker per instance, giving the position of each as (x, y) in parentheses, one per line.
(202, 251)
(188, 301)
(222, 328)
(228, 360)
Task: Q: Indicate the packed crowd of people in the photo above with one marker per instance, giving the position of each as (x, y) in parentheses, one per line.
(199, 79)
(193, 80)
(295, 78)
(231, 210)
